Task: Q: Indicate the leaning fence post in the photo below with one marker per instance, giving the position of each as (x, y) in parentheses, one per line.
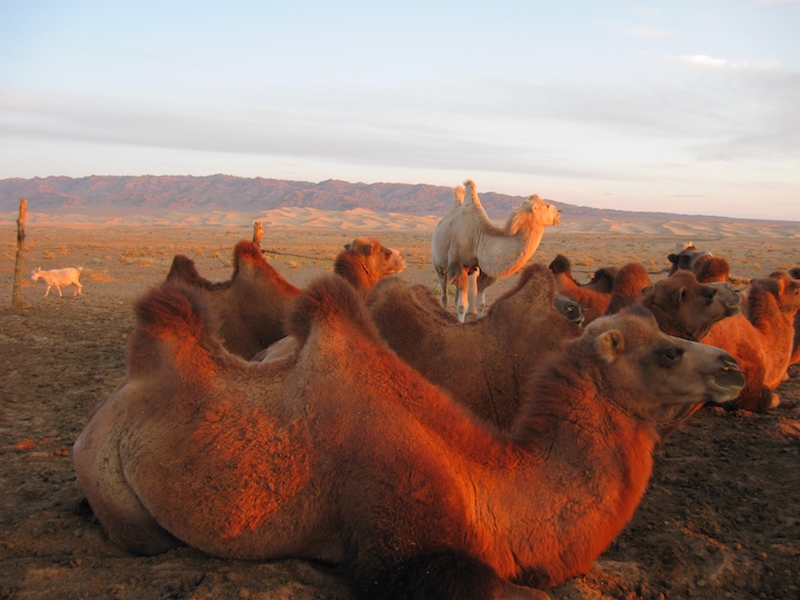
(258, 231)
(16, 296)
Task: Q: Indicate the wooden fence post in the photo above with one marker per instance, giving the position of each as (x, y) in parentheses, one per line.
(16, 296)
(258, 231)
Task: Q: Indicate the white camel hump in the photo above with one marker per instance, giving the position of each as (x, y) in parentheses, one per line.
(469, 251)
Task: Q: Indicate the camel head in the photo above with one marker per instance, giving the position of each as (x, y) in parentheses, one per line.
(544, 213)
(691, 307)
(685, 258)
(656, 377)
(379, 260)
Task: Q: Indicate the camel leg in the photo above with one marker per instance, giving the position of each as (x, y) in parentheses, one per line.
(484, 281)
(442, 277)
(462, 287)
(472, 291)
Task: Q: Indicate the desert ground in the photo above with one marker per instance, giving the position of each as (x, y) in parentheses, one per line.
(721, 517)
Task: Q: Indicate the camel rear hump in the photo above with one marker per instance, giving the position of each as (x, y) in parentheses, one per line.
(329, 299)
(173, 328)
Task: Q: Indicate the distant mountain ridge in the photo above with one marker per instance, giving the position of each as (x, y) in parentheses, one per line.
(151, 194)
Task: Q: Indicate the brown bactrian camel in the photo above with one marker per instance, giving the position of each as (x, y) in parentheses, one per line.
(795, 274)
(347, 455)
(365, 260)
(629, 282)
(684, 257)
(249, 307)
(592, 299)
(467, 246)
(483, 364)
(761, 341)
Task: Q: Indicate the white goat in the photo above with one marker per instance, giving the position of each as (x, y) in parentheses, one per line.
(59, 277)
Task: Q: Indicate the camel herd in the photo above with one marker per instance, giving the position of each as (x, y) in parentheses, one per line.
(360, 423)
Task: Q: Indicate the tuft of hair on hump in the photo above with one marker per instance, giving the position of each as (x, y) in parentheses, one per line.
(560, 264)
(542, 285)
(534, 198)
(458, 195)
(327, 298)
(708, 268)
(183, 269)
(631, 279)
(172, 310)
(472, 191)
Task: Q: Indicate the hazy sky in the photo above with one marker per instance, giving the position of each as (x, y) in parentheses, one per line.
(679, 106)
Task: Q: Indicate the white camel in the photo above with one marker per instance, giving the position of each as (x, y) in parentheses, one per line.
(472, 253)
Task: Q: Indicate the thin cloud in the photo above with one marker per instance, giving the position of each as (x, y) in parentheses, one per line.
(703, 60)
(627, 30)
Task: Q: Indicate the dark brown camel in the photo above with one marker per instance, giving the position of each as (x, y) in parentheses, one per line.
(349, 456)
(483, 363)
(250, 306)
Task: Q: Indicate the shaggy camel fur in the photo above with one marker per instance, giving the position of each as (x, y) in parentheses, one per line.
(629, 283)
(471, 253)
(482, 364)
(593, 301)
(250, 306)
(761, 341)
(365, 260)
(709, 268)
(349, 456)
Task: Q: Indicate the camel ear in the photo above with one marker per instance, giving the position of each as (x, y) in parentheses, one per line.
(673, 258)
(610, 345)
(347, 247)
(647, 290)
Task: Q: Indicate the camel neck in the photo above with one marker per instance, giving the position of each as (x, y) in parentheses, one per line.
(577, 487)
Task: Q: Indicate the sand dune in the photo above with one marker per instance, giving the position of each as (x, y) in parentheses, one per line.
(360, 220)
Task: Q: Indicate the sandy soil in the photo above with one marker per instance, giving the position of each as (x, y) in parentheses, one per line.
(721, 518)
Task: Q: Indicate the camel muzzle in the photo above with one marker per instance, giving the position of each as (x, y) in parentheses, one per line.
(728, 380)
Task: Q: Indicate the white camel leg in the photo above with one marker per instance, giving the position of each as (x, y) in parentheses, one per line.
(472, 292)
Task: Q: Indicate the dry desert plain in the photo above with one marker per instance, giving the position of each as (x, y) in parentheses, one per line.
(721, 518)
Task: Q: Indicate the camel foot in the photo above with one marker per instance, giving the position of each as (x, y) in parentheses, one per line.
(774, 401)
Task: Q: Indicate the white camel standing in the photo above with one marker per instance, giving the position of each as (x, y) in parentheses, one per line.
(472, 253)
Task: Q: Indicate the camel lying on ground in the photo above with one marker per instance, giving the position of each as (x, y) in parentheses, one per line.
(472, 253)
(762, 341)
(250, 306)
(629, 282)
(365, 260)
(483, 364)
(347, 455)
(593, 300)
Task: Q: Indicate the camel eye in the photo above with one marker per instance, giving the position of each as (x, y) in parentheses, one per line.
(710, 296)
(671, 356)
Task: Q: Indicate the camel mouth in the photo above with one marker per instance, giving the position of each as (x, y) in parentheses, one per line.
(733, 310)
(726, 384)
(557, 219)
